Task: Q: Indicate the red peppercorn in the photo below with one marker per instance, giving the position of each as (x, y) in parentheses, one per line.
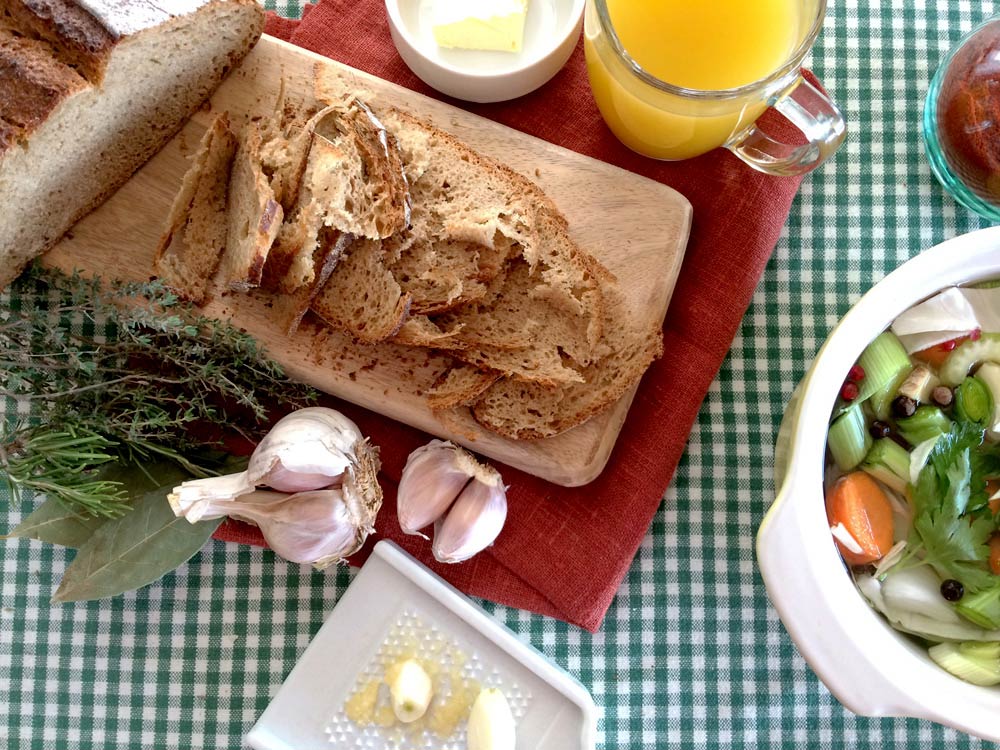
(976, 334)
(948, 346)
(849, 391)
(856, 374)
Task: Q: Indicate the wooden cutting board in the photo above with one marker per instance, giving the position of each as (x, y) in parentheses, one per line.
(637, 227)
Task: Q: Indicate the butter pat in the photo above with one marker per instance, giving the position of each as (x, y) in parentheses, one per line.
(480, 24)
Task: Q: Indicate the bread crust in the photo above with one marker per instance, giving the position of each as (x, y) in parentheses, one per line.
(77, 38)
(36, 88)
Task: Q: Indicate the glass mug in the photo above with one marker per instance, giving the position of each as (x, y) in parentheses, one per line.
(702, 108)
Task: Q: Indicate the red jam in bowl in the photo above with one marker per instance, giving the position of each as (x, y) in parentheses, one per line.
(969, 113)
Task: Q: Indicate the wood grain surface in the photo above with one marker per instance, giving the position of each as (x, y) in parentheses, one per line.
(637, 227)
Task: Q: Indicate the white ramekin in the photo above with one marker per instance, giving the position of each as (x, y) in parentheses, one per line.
(485, 76)
(870, 668)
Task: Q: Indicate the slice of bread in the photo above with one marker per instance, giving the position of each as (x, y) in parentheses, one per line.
(362, 297)
(460, 386)
(530, 411)
(489, 253)
(254, 216)
(353, 182)
(76, 142)
(195, 239)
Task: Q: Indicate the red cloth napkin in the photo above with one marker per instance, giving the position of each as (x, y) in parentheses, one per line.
(563, 551)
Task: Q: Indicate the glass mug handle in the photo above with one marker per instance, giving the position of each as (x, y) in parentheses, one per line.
(812, 112)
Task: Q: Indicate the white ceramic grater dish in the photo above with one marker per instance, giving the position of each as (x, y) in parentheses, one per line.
(395, 598)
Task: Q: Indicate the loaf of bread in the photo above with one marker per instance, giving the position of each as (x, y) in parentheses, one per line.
(91, 89)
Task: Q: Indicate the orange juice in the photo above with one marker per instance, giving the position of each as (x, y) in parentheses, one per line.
(692, 44)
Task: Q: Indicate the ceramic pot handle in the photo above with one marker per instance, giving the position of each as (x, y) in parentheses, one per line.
(812, 112)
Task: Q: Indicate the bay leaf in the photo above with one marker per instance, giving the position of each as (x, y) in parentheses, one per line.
(54, 523)
(133, 551)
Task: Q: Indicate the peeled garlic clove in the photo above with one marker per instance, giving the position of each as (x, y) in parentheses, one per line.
(308, 449)
(433, 477)
(411, 690)
(491, 724)
(474, 521)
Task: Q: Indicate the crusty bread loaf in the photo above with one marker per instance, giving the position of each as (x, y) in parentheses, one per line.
(192, 246)
(77, 38)
(73, 143)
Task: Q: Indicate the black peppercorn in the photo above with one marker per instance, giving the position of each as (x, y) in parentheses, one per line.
(952, 590)
(943, 395)
(904, 406)
(879, 429)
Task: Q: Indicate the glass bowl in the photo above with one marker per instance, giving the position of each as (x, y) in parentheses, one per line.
(961, 121)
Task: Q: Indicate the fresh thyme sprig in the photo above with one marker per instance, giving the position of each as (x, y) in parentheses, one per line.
(123, 372)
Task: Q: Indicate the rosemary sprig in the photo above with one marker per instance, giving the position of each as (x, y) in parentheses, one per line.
(62, 464)
(123, 372)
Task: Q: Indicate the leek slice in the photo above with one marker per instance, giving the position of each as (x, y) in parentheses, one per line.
(848, 439)
(953, 659)
(974, 401)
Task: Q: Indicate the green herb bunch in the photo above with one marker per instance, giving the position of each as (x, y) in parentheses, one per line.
(122, 373)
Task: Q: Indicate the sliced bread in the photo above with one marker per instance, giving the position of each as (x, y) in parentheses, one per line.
(353, 182)
(362, 297)
(77, 142)
(195, 239)
(459, 386)
(254, 216)
(529, 411)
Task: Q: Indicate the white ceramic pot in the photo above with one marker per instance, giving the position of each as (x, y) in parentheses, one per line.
(551, 33)
(870, 668)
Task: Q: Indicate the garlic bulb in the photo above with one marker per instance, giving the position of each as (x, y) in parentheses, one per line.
(319, 527)
(330, 470)
(466, 500)
(309, 449)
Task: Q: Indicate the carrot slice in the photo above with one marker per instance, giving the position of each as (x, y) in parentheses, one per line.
(937, 354)
(992, 485)
(858, 503)
(995, 554)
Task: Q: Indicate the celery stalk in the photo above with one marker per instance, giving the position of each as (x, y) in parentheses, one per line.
(889, 463)
(981, 608)
(967, 354)
(848, 438)
(886, 365)
(927, 422)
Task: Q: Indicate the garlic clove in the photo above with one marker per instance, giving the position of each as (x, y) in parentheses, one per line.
(433, 477)
(474, 521)
(491, 724)
(411, 690)
(320, 527)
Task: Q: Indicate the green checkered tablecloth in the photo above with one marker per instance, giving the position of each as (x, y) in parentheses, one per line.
(691, 654)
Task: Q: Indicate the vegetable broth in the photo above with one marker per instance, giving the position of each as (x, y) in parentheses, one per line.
(913, 477)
